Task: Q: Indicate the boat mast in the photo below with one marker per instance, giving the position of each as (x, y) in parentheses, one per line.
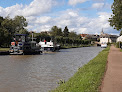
(32, 36)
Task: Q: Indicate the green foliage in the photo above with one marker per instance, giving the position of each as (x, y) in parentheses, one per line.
(118, 44)
(66, 32)
(116, 18)
(55, 31)
(66, 38)
(120, 33)
(88, 78)
(20, 23)
(9, 27)
(23, 31)
(73, 35)
(1, 20)
(61, 82)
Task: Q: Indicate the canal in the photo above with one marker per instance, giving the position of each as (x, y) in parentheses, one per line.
(40, 73)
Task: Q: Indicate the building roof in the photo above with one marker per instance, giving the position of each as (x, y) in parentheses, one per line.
(83, 35)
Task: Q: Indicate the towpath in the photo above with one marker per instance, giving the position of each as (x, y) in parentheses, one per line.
(113, 78)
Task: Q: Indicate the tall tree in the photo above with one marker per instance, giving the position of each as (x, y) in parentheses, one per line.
(19, 23)
(8, 25)
(55, 31)
(66, 31)
(1, 20)
(116, 18)
(72, 35)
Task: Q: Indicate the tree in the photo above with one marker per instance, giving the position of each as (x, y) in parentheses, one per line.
(66, 32)
(23, 31)
(1, 36)
(120, 33)
(72, 35)
(1, 20)
(19, 23)
(9, 27)
(5, 31)
(1, 31)
(55, 31)
(116, 18)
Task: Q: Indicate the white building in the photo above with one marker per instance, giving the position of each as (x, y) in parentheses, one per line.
(106, 38)
(119, 39)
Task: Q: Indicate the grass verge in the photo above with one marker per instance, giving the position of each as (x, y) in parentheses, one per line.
(121, 50)
(4, 49)
(88, 78)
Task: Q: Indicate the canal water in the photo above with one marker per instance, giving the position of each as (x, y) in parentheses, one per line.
(40, 73)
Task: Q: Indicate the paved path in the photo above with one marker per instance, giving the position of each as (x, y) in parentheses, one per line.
(113, 78)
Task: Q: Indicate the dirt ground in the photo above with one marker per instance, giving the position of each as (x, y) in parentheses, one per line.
(113, 78)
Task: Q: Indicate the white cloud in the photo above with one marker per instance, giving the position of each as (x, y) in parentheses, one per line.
(82, 24)
(35, 8)
(42, 28)
(11, 11)
(42, 20)
(98, 5)
(73, 14)
(82, 30)
(74, 2)
(38, 7)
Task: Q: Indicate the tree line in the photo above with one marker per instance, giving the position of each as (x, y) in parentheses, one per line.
(62, 37)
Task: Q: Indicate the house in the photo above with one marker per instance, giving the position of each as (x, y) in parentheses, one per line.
(92, 37)
(83, 36)
(106, 38)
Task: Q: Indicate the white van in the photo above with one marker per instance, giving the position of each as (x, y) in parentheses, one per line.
(103, 45)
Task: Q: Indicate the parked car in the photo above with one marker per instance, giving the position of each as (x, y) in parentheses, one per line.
(103, 45)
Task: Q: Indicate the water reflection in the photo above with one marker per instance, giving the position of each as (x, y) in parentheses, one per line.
(39, 73)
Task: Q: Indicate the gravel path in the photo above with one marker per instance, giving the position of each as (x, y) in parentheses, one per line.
(113, 78)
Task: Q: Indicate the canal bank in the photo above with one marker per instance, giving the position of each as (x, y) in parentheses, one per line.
(4, 51)
(88, 78)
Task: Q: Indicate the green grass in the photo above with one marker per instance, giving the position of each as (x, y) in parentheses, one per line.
(4, 49)
(121, 50)
(89, 77)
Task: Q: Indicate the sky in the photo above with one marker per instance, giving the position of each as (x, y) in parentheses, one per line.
(80, 16)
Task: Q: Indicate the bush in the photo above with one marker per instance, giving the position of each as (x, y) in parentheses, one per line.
(118, 44)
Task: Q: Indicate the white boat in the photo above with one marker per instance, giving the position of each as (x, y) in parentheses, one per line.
(49, 46)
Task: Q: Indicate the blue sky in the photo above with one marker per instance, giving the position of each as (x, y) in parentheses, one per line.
(81, 16)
